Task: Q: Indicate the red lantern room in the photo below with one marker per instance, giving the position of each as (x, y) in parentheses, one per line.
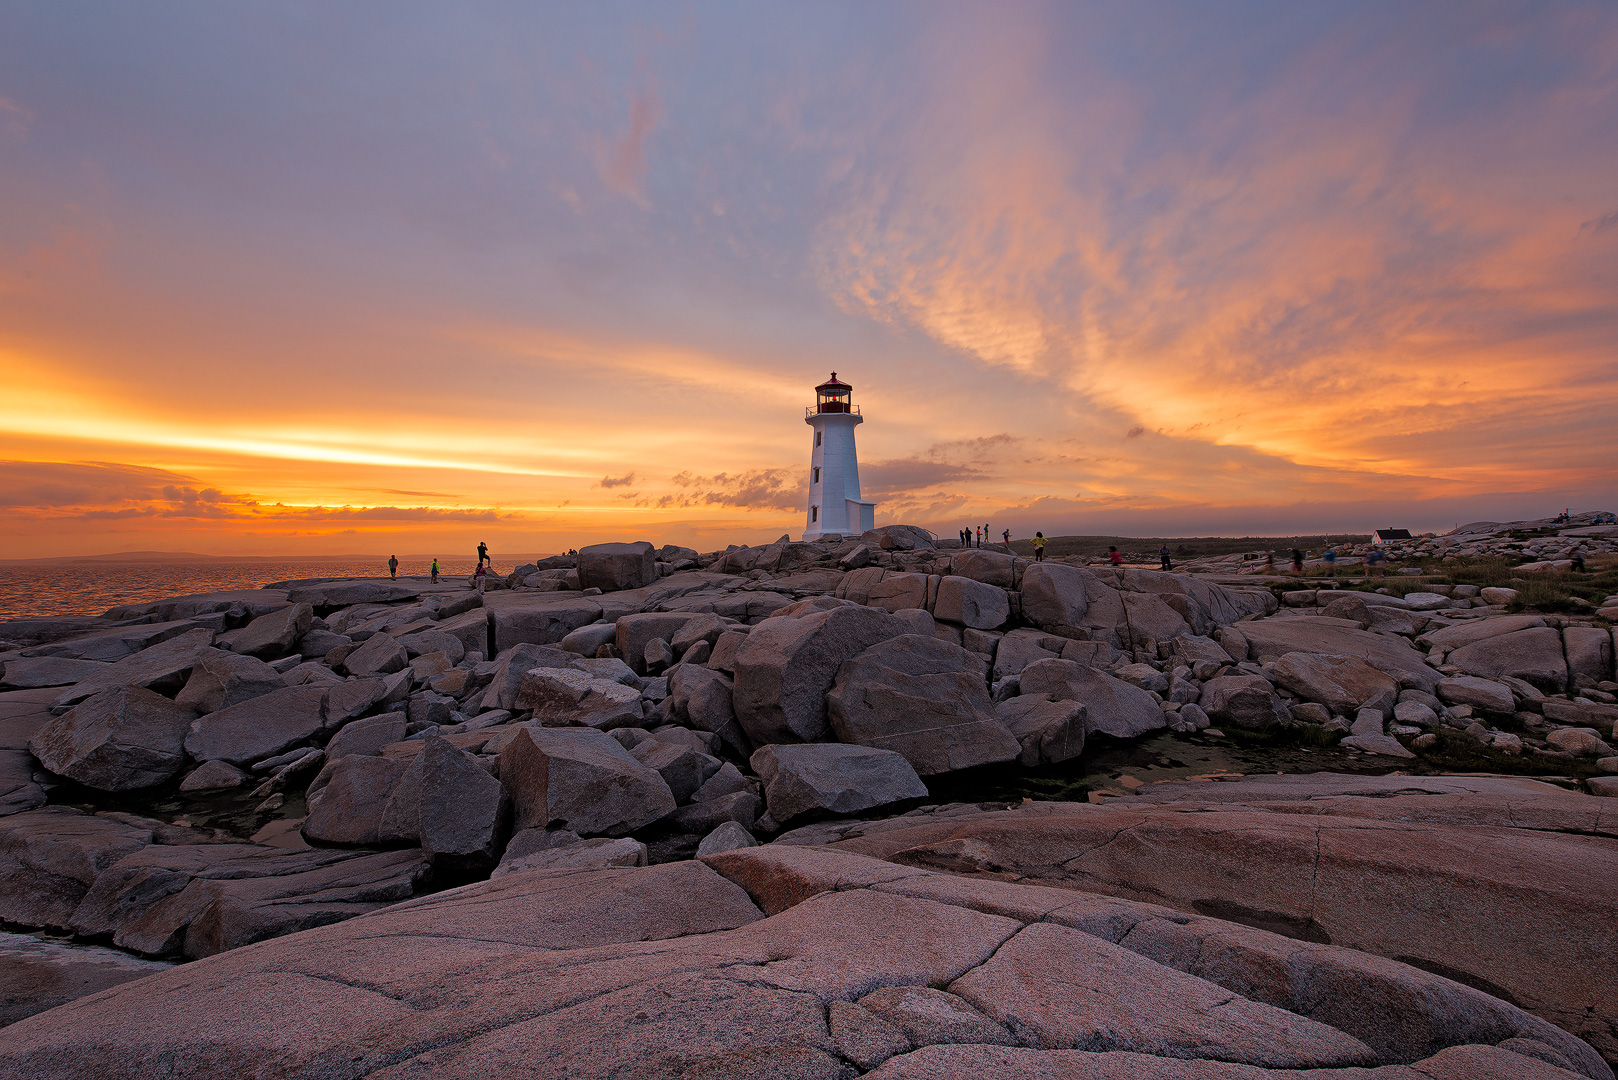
(832, 396)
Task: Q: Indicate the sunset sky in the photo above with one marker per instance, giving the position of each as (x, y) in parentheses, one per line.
(304, 278)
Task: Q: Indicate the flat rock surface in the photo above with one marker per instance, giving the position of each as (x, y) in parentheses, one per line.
(1397, 866)
(37, 975)
(674, 971)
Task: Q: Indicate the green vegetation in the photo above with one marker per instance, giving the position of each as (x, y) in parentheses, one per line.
(1545, 591)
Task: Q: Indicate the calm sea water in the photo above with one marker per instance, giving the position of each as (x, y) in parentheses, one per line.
(92, 588)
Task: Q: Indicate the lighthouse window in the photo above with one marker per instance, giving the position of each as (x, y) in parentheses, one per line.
(817, 438)
(816, 478)
(814, 513)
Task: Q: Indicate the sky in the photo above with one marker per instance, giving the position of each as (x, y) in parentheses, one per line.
(311, 278)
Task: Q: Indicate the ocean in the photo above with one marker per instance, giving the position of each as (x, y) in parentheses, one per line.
(90, 588)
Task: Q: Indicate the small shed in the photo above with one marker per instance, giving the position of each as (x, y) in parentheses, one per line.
(1388, 536)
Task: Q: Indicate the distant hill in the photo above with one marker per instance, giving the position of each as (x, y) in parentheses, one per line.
(1183, 547)
(192, 557)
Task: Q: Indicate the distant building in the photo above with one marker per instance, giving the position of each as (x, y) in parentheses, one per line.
(1388, 536)
(835, 506)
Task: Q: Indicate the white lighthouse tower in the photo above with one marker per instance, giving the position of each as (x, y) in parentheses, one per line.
(835, 506)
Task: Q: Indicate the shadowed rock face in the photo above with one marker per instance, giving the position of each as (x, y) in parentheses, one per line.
(675, 971)
(1411, 869)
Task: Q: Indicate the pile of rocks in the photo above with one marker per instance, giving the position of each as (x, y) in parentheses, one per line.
(631, 706)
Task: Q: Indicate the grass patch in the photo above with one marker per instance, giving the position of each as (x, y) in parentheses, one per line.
(1182, 547)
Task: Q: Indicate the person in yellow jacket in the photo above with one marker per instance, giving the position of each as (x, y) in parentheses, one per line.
(435, 571)
(1039, 547)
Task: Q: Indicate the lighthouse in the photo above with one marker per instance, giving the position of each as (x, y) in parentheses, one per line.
(835, 506)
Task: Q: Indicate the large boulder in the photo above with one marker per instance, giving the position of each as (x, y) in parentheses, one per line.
(451, 805)
(379, 654)
(1344, 684)
(830, 778)
(786, 666)
(898, 538)
(1048, 730)
(581, 780)
(354, 803)
(1244, 701)
(221, 679)
(259, 727)
(1056, 598)
(1589, 654)
(611, 567)
(270, 636)
(1275, 637)
(971, 603)
(517, 662)
(536, 618)
(1534, 655)
(121, 739)
(330, 594)
(988, 567)
(703, 699)
(1465, 633)
(50, 857)
(634, 632)
(922, 698)
(1485, 694)
(559, 697)
(1113, 707)
(161, 667)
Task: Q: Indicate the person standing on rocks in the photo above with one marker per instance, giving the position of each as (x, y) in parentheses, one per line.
(1115, 556)
(1297, 561)
(435, 570)
(988, 537)
(1005, 535)
(1039, 547)
(483, 554)
(479, 576)
(1163, 558)
(393, 566)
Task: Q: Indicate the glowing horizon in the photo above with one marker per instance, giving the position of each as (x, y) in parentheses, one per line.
(310, 280)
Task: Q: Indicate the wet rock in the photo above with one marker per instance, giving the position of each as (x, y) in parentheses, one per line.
(38, 975)
(832, 778)
(611, 567)
(1113, 706)
(270, 636)
(122, 739)
(922, 698)
(258, 727)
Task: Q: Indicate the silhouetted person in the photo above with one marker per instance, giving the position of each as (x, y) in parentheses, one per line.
(1297, 561)
(1039, 547)
(988, 537)
(435, 571)
(1006, 536)
(483, 554)
(1163, 557)
(393, 566)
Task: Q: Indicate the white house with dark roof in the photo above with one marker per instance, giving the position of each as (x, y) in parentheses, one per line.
(1388, 536)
